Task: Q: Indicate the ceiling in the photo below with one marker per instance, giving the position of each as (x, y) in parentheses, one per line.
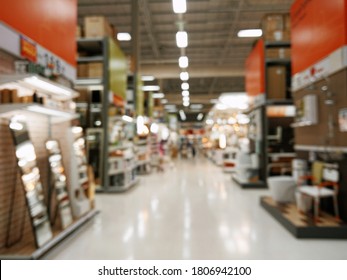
(216, 55)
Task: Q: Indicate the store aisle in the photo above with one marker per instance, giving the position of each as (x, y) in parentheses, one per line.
(192, 211)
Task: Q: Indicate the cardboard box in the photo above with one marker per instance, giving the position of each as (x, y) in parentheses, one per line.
(96, 26)
(79, 32)
(278, 53)
(15, 98)
(276, 27)
(276, 77)
(6, 96)
(82, 70)
(95, 70)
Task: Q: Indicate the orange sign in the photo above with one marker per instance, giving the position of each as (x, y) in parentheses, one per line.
(28, 49)
(255, 65)
(318, 29)
(51, 24)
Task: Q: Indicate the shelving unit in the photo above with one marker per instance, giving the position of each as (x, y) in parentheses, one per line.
(44, 121)
(274, 96)
(122, 168)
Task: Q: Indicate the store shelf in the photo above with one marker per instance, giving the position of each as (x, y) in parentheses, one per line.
(280, 61)
(249, 185)
(30, 252)
(313, 148)
(83, 180)
(142, 162)
(278, 102)
(6, 111)
(97, 58)
(84, 82)
(115, 189)
(278, 44)
(302, 124)
(303, 225)
(92, 45)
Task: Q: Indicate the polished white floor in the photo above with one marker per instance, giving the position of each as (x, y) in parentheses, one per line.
(191, 211)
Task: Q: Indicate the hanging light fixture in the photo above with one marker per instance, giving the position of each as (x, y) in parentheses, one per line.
(179, 6)
(182, 39)
(184, 76)
(183, 62)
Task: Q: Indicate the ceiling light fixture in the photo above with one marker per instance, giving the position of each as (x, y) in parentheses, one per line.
(249, 33)
(127, 118)
(185, 86)
(185, 93)
(158, 95)
(200, 117)
(184, 76)
(183, 62)
(186, 103)
(147, 78)
(182, 39)
(196, 106)
(182, 115)
(186, 99)
(150, 88)
(179, 6)
(123, 36)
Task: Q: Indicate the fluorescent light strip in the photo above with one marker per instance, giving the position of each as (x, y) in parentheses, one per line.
(150, 88)
(182, 39)
(196, 106)
(183, 62)
(158, 95)
(123, 36)
(147, 78)
(200, 117)
(47, 111)
(36, 82)
(185, 93)
(249, 33)
(182, 115)
(127, 118)
(179, 6)
(185, 86)
(184, 76)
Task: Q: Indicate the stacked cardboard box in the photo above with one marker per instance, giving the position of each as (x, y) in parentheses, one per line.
(90, 70)
(276, 27)
(97, 26)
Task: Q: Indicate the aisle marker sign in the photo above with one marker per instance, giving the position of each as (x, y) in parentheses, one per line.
(28, 49)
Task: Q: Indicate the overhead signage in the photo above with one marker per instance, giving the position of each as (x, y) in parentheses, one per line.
(28, 49)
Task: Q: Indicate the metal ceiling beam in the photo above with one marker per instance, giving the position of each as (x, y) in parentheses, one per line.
(149, 26)
(173, 71)
(228, 41)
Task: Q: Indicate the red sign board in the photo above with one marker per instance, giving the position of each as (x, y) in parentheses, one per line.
(28, 49)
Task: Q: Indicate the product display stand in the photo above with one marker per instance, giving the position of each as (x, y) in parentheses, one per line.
(39, 217)
(303, 225)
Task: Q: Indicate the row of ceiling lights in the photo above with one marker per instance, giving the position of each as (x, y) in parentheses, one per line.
(180, 7)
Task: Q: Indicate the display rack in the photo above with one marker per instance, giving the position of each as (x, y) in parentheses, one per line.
(262, 140)
(94, 103)
(45, 120)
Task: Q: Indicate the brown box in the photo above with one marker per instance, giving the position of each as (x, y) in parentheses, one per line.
(6, 96)
(276, 82)
(95, 70)
(79, 31)
(96, 26)
(83, 96)
(278, 53)
(276, 27)
(15, 98)
(82, 70)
